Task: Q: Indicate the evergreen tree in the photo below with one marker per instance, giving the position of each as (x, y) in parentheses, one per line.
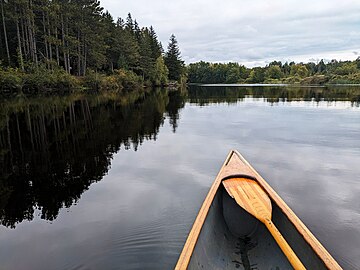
(358, 62)
(76, 36)
(5, 32)
(321, 67)
(286, 69)
(147, 64)
(156, 47)
(137, 31)
(173, 60)
(129, 25)
(128, 48)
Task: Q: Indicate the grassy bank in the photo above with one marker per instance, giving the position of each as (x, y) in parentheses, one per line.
(318, 80)
(41, 79)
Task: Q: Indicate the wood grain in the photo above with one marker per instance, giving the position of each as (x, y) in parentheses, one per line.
(252, 198)
(318, 248)
(234, 166)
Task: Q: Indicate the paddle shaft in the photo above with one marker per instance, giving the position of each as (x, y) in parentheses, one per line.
(287, 250)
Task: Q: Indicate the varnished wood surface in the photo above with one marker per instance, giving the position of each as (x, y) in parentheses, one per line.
(236, 166)
(318, 248)
(252, 198)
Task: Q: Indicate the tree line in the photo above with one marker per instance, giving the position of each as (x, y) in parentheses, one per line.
(332, 72)
(79, 37)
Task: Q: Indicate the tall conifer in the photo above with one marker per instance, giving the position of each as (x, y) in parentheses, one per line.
(173, 59)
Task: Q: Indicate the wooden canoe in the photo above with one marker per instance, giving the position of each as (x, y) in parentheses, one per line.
(224, 236)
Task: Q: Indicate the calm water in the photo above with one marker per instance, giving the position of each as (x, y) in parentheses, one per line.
(115, 182)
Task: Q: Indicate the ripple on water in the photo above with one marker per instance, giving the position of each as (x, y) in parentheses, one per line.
(158, 242)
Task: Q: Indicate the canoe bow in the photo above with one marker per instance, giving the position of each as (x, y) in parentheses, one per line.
(235, 166)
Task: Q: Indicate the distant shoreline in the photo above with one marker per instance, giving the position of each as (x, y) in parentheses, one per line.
(266, 85)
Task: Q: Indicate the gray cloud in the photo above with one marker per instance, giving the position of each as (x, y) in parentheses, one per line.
(251, 32)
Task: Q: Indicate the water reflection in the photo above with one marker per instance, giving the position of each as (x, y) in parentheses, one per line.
(53, 149)
(204, 95)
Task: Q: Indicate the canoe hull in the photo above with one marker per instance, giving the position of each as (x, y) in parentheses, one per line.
(218, 247)
(224, 236)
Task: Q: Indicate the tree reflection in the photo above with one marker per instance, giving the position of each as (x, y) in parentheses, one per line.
(52, 149)
(176, 102)
(204, 95)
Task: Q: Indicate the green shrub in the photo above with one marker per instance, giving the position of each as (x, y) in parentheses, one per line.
(346, 69)
(11, 80)
(128, 79)
(345, 79)
(62, 79)
(148, 83)
(292, 80)
(315, 80)
(41, 78)
(273, 81)
(110, 83)
(120, 79)
(93, 80)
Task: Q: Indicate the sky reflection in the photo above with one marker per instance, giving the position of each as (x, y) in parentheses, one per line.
(140, 211)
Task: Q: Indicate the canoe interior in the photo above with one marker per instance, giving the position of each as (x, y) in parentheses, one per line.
(232, 239)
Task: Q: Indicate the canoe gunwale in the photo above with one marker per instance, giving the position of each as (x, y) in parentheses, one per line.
(194, 233)
(240, 168)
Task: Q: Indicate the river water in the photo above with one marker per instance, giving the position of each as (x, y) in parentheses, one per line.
(112, 181)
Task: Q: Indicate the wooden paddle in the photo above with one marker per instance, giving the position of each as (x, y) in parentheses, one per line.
(252, 198)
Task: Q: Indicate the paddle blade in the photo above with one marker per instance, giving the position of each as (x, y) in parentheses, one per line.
(250, 196)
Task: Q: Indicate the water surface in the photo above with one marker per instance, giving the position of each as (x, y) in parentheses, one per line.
(115, 182)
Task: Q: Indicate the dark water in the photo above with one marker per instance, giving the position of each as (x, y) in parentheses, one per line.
(115, 182)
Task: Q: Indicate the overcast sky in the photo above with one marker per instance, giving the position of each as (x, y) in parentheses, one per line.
(251, 32)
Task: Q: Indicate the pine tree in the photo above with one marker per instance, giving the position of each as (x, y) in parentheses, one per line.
(5, 32)
(321, 67)
(137, 31)
(129, 25)
(76, 36)
(156, 47)
(147, 63)
(358, 62)
(173, 60)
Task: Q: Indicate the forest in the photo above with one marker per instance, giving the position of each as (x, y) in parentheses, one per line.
(58, 44)
(48, 44)
(332, 72)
